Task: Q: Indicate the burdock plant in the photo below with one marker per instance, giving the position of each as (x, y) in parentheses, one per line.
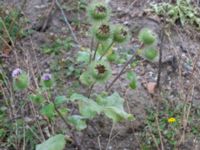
(100, 71)
(147, 37)
(150, 53)
(120, 34)
(98, 11)
(96, 70)
(102, 32)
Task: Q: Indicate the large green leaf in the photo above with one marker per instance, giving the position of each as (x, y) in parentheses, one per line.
(56, 142)
(113, 107)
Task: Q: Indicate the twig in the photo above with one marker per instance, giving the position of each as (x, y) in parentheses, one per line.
(67, 22)
(160, 58)
(48, 16)
(99, 142)
(121, 72)
(111, 131)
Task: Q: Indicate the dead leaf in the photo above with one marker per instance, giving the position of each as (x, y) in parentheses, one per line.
(6, 50)
(151, 86)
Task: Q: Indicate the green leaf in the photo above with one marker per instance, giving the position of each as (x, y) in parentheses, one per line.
(83, 56)
(117, 114)
(36, 99)
(131, 75)
(133, 84)
(77, 121)
(87, 107)
(48, 110)
(64, 111)
(77, 96)
(56, 142)
(59, 100)
(113, 107)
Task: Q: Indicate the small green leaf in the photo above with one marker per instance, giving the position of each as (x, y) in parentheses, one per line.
(131, 75)
(56, 142)
(83, 56)
(112, 57)
(59, 100)
(77, 121)
(64, 111)
(48, 110)
(133, 84)
(36, 99)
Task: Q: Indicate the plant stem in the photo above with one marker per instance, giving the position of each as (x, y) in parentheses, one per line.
(91, 48)
(75, 139)
(95, 52)
(90, 90)
(111, 44)
(160, 58)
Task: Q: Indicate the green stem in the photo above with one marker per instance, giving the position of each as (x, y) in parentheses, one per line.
(111, 44)
(95, 52)
(90, 90)
(122, 70)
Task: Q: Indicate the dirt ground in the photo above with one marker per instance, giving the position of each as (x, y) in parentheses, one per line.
(177, 75)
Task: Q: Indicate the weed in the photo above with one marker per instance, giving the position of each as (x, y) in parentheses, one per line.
(181, 10)
(170, 125)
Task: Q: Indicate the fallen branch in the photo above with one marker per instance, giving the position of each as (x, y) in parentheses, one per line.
(67, 22)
